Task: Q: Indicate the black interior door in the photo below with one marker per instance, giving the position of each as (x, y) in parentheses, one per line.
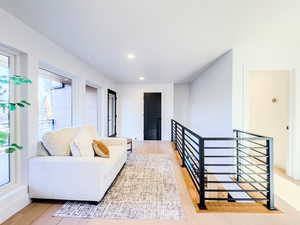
(152, 116)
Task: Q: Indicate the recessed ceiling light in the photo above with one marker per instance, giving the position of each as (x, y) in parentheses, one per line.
(141, 78)
(130, 56)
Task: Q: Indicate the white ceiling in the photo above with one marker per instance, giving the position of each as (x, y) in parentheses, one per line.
(172, 39)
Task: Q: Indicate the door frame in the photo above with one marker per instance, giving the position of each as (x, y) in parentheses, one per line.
(99, 103)
(291, 166)
(109, 91)
(161, 112)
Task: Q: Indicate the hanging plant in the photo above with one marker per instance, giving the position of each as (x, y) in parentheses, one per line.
(11, 106)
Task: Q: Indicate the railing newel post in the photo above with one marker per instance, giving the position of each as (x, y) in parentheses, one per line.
(201, 175)
(237, 157)
(183, 146)
(176, 147)
(172, 133)
(270, 193)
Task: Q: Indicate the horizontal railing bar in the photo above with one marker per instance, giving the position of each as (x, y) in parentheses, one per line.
(250, 148)
(219, 147)
(212, 164)
(192, 139)
(179, 148)
(234, 190)
(195, 162)
(220, 156)
(178, 135)
(193, 176)
(256, 165)
(254, 157)
(197, 150)
(253, 164)
(226, 156)
(256, 135)
(234, 182)
(253, 179)
(259, 183)
(232, 173)
(232, 164)
(229, 139)
(253, 171)
(258, 189)
(189, 154)
(237, 199)
(179, 140)
(195, 171)
(253, 142)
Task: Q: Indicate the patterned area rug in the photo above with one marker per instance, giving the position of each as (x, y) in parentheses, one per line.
(145, 189)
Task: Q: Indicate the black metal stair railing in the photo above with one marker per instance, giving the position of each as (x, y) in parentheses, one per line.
(242, 164)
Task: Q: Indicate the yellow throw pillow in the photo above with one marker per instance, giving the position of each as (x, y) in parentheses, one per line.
(100, 149)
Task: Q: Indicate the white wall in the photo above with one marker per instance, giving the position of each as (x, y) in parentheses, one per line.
(211, 99)
(182, 103)
(36, 49)
(130, 109)
(269, 55)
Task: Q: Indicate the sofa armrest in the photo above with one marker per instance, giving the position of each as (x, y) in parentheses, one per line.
(114, 141)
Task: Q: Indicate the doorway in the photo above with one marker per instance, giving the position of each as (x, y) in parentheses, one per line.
(152, 116)
(112, 113)
(268, 110)
(92, 105)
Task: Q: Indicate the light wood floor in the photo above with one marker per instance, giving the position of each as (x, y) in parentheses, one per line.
(41, 213)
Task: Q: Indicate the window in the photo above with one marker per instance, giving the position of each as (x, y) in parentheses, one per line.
(91, 106)
(55, 102)
(5, 123)
(112, 113)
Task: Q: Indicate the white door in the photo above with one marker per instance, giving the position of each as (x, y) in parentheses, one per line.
(268, 98)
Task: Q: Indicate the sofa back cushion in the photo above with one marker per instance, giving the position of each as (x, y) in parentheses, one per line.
(58, 142)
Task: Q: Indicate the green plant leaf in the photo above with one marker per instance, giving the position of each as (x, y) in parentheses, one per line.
(10, 150)
(28, 81)
(20, 105)
(25, 102)
(12, 106)
(2, 142)
(16, 146)
(4, 135)
(3, 106)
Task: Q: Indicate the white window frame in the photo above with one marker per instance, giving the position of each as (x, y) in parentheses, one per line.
(14, 66)
(59, 72)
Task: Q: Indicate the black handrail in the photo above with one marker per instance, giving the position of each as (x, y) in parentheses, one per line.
(248, 155)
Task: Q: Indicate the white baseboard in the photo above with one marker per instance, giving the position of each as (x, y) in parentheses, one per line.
(287, 190)
(12, 202)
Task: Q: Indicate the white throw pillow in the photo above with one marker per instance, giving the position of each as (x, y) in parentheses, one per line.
(82, 144)
(74, 149)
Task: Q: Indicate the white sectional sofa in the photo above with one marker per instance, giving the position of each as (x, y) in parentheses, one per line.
(75, 178)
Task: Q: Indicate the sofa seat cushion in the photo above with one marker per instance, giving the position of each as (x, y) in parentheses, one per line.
(113, 164)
